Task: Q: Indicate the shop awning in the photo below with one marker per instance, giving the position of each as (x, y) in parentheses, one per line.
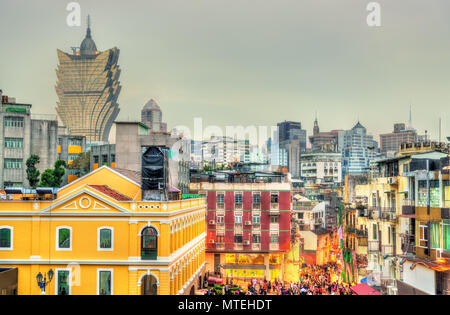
(364, 289)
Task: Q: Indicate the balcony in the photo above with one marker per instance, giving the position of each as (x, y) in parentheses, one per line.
(362, 233)
(351, 229)
(256, 206)
(387, 250)
(389, 216)
(238, 206)
(238, 226)
(362, 241)
(374, 246)
(238, 246)
(274, 246)
(220, 246)
(374, 213)
(256, 246)
(408, 244)
(256, 225)
(274, 206)
(408, 207)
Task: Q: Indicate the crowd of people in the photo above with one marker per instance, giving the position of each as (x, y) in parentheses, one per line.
(313, 280)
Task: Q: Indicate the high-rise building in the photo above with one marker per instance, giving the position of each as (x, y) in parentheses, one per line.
(151, 115)
(88, 87)
(357, 148)
(319, 139)
(390, 142)
(224, 150)
(21, 135)
(292, 130)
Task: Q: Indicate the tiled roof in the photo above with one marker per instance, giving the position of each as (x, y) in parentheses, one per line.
(110, 192)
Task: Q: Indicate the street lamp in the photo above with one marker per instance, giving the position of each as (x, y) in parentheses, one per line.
(42, 280)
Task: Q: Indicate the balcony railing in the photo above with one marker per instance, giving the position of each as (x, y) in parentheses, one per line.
(362, 233)
(274, 206)
(408, 244)
(256, 206)
(374, 246)
(387, 210)
(374, 213)
(256, 246)
(238, 246)
(220, 246)
(389, 216)
(387, 250)
(351, 229)
(362, 241)
(274, 246)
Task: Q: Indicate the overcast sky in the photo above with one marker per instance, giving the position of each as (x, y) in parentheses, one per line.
(246, 62)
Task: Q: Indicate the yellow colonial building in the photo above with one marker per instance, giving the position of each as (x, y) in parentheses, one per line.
(98, 237)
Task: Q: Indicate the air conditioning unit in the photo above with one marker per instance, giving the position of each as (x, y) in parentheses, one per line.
(212, 222)
(248, 223)
(212, 241)
(246, 242)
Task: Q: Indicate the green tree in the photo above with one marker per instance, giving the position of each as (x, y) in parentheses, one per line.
(53, 177)
(82, 163)
(32, 172)
(47, 179)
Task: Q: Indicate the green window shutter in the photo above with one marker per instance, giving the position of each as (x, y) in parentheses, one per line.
(5, 238)
(63, 282)
(105, 238)
(105, 283)
(64, 238)
(446, 235)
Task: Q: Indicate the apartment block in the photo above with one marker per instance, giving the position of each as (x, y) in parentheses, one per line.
(248, 223)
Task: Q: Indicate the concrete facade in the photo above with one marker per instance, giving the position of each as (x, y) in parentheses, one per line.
(20, 137)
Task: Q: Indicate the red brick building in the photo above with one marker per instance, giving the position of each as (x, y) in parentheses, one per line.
(248, 223)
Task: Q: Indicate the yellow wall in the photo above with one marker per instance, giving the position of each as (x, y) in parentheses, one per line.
(85, 210)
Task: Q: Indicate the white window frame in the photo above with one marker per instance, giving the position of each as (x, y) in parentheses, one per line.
(242, 200)
(70, 279)
(98, 279)
(238, 215)
(57, 238)
(253, 205)
(222, 207)
(423, 226)
(11, 245)
(222, 221)
(253, 218)
(112, 239)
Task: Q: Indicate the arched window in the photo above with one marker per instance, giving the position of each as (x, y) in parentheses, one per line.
(6, 238)
(149, 243)
(149, 285)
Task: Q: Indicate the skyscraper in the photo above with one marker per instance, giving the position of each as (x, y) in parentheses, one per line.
(151, 115)
(88, 87)
(390, 142)
(357, 148)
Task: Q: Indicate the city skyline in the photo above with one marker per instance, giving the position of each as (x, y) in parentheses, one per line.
(330, 62)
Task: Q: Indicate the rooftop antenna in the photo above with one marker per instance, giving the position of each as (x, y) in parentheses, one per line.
(440, 128)
(410, 117)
